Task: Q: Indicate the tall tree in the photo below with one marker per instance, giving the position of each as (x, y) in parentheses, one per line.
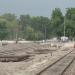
(24, 21)
(3, 29)
(56, 22)
(41, 24)
(12, 24)
(70, 22)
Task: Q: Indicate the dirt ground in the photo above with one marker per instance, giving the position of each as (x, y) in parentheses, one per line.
(41, 56)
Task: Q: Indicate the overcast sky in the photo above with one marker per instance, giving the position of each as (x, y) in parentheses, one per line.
(34, 7)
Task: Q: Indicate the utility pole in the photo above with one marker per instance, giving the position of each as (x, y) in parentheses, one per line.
(45, 33)
(64, 26)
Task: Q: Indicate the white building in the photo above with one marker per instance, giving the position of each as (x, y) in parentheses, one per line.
(64, 38)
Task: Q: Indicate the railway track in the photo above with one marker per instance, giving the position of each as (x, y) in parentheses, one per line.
(60, 66)
(24, 49)
(70, 70)
(20, 54)
(13, 54)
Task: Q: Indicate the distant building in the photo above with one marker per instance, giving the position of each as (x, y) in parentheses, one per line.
(64, 38)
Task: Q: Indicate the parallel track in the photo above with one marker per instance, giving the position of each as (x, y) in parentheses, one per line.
(60, 66)
(17, 53)
(12, 55)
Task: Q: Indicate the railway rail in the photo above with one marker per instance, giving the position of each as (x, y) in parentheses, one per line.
(13, 54)
(19, 52)
(60, 66)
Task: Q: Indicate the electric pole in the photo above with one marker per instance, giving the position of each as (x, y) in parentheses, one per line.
(64, 26)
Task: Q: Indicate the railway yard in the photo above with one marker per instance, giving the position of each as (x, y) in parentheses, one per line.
(37, 59)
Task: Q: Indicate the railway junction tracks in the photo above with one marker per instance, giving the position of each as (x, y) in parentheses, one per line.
(60, 66)
(15, 55)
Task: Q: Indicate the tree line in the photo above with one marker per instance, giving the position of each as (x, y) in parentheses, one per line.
(37, 27)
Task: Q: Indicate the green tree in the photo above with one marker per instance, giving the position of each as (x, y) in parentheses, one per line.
(3, 29)
(12, 24)
(56, 22)
(41, 24)
(9, 16)
(70, 22)
(24, 21)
